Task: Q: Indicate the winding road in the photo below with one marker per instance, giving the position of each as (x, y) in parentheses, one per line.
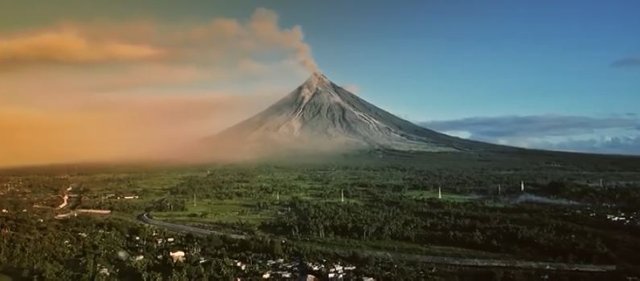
(144, 217)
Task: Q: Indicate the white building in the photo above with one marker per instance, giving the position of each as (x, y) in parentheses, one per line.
(177, 256)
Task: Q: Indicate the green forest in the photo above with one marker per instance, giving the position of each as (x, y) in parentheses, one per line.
(390, 222)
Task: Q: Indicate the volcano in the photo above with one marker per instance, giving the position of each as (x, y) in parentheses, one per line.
(320, 115)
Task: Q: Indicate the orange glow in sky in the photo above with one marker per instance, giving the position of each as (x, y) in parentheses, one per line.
(114, 90)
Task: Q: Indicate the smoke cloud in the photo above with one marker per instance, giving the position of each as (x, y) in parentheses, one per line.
(264, 24)
(139, 89)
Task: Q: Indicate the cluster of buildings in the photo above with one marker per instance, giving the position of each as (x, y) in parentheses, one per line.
(121, 196)
(281, 270)
(271, 269)
(632, 218)
(333, 271)
(622, 217)
(12, 184)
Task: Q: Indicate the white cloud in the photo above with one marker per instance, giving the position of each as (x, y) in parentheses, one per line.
(614, 134)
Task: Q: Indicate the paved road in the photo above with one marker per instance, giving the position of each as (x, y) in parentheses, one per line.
(409, 257)
(185, 228)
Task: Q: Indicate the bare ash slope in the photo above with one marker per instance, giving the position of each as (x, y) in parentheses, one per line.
(321, 115)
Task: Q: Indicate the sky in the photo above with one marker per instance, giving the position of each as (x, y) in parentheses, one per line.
(93, 80)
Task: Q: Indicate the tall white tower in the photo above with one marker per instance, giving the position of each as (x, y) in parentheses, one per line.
(439, 192)
(522, 186)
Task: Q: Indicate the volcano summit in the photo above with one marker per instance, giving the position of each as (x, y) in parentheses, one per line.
(320, 115)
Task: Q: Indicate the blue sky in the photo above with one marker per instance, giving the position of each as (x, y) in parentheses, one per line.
(442, 63)
(433, 60)
(439, 59)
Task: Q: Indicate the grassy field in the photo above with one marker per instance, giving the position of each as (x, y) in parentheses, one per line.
(219, 211)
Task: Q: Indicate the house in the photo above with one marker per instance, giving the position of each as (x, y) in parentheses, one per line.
(315, 267)
(104, 271)
(283, 274)
(240, 265)
(308, 277)
(177, 256)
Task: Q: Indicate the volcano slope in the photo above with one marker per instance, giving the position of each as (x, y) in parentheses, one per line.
(321, 116)
(319, 120)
